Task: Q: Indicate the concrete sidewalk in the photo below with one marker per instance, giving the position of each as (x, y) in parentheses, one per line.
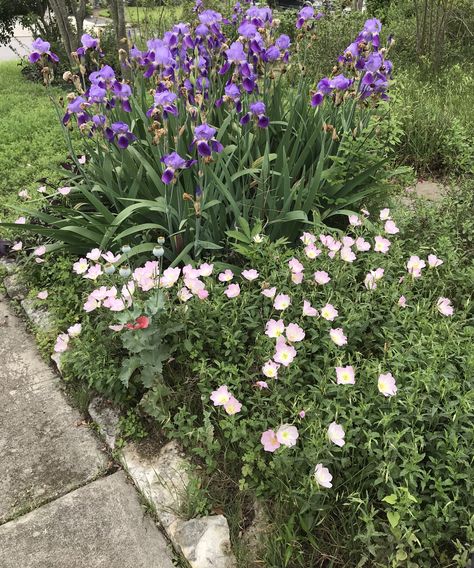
(59, 506)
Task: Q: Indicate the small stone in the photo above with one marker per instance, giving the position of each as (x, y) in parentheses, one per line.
(205, 542)
(107, 419)
(39, 317)
(253, 537)
(15, 288)
(160, 474)
(8, 265)
(56, 357)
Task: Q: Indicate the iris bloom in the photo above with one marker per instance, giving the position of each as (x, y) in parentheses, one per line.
(174, 162)
(42, 48)
(205, 141)
(258, 111)
(120, 133)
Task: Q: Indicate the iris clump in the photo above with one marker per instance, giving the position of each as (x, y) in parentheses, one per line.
(260, 146)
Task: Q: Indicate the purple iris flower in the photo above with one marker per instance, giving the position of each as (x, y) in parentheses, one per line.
(210, 17)
(305, 14)
(236, 53)
(324, 86)
(165, 99)
(258, 110)
(340, 82)
(97, 94)
(259, 16)
(374, 62)
(42, 48)
(123, 92)
(103, 77)
(283, 42)
(120, 132)
(173, 163)
(317, 98)
(272, 53)
(88, 42)
(202, 30)
(247, 30)
(76, 105)
(98, 120)
(204, 139)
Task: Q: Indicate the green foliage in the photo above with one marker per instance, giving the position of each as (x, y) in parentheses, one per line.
(310, 163)
(437, 120)
(130, 428)
(402, 485)
(31, 143)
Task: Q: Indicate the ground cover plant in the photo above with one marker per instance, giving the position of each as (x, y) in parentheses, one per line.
(330, 380)
(224, 137)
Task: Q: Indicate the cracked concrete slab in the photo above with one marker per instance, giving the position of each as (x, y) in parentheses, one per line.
(45, 450)
(101, 525)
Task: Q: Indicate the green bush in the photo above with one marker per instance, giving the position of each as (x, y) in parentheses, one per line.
(436, 120)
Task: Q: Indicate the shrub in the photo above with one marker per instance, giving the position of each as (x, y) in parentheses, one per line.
(191, 166)
(436, 121)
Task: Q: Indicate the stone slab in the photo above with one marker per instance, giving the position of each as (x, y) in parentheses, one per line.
(101, 525)
(45, 449)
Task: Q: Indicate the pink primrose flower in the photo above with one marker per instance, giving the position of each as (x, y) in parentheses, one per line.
(345, 375)
(232, 290)
(386, 385)
(269, 441)
(336, 434)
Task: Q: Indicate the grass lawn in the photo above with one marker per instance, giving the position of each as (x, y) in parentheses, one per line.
(140, 15)
(31, 141)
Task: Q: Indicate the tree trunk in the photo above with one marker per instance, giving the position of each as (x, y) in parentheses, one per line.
(121, 29)
(79, 10)
(60, 12)
(117, 11)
